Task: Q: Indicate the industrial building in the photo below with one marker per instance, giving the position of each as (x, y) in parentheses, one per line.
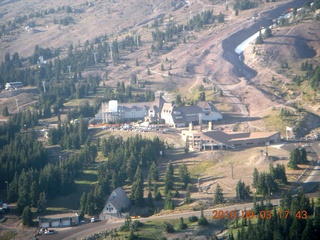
(60, 220)
(198, 140)
(158, 111)
(13, 85)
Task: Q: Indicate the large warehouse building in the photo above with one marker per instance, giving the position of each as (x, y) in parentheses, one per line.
(197, 140)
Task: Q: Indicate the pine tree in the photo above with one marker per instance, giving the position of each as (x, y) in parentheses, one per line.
(218, 195)
(168, 204)
(137, 188)
(243, 191)
(90, 204)
(221, 18)
(153, 171)
(42, 202)
(202, 221)
(138, 175)
(182, 225)
(157, 195)
(202, 96)
(259, 39)
(27, 217)
(149, 182)
(13, 189)
(5, 111)
(295, 231)
(294, 158)
(303, 156)
(188, 196)
(168, 178)
(184, 175)
(34, 193)
(150, 200)
(230, 237)
(176, 194)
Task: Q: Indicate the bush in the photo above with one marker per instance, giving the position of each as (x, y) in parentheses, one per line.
(132, 236)
(136, 224)
(193, 218)
(126, 225)
(202, 221)
(168, 227)
(182, 225)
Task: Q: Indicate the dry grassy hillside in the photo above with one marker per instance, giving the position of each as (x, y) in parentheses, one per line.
(201, 51)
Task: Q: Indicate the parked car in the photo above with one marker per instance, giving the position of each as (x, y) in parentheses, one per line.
(49, 232)
(95, 220)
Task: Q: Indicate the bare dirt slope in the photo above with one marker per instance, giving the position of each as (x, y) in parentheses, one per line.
(202, 51)
(119, 18)
(293, 45)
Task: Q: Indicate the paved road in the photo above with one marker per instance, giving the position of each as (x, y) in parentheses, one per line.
(91, 228)
(229, 44)
(314, 178)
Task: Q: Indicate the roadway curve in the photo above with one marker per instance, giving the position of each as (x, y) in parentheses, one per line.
(229, 44)
(89, 229)
(314, 178)
(92, 228)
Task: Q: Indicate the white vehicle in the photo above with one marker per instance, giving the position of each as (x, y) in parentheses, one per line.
(49, 232)
(93, 220)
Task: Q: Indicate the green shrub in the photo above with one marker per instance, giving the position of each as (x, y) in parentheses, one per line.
(168, 228)
(182, 225)
(193, 218)
(203, 221)
(136, 224)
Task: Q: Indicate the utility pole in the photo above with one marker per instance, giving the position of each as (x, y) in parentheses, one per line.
(95, 57)
(69, 67)
(111, 54)
(44, 86)
(7, 190)
(267, 144)
(231, 163)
